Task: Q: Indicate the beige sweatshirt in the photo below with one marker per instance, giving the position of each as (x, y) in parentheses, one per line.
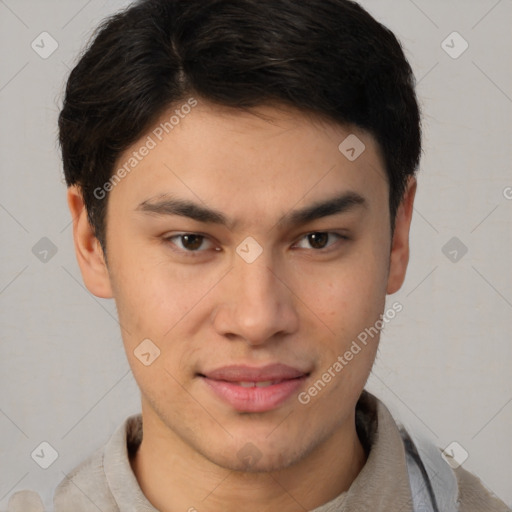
(106, 482)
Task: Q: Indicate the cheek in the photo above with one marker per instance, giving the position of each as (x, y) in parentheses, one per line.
(150, 298)
(163, 302)
(153, 307)
(349, 293)
(349, 298)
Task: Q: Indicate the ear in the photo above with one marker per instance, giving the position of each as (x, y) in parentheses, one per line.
(89, 253)
(399, 257)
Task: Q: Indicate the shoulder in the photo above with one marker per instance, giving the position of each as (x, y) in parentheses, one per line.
(454, 488)
(474, 497)
(85, 489)
(104, 481)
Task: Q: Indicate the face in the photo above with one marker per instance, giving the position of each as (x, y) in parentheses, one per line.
(252, 253)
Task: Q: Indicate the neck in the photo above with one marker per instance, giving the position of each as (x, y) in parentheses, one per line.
(173, 476)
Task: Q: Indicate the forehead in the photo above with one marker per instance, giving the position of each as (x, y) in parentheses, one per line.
(256, 160)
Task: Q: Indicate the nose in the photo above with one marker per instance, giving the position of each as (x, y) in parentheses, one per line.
(257, 305)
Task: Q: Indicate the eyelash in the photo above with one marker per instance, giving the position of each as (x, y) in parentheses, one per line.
(196, 253)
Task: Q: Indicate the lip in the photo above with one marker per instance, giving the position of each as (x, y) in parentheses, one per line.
(225, 383)
(238, 373)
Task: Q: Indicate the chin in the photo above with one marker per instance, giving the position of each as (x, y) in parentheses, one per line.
(266, 464)
(251, 459)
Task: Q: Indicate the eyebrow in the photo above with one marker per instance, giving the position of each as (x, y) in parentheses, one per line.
(168, 205)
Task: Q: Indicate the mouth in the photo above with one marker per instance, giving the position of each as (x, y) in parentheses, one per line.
(252, 389)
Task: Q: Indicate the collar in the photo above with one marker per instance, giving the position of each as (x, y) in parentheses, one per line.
(382, 484)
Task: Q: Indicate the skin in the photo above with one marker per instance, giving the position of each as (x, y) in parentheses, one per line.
(295, 304)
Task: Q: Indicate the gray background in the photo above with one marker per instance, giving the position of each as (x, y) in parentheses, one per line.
(444, 364)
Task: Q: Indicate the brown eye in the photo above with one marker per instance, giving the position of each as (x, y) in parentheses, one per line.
(318, 240)
(191, 242)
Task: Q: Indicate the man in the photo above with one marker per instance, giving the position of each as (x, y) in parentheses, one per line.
(241, 179)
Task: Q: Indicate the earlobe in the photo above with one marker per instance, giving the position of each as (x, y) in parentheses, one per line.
(399, 257)
(88, 250)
